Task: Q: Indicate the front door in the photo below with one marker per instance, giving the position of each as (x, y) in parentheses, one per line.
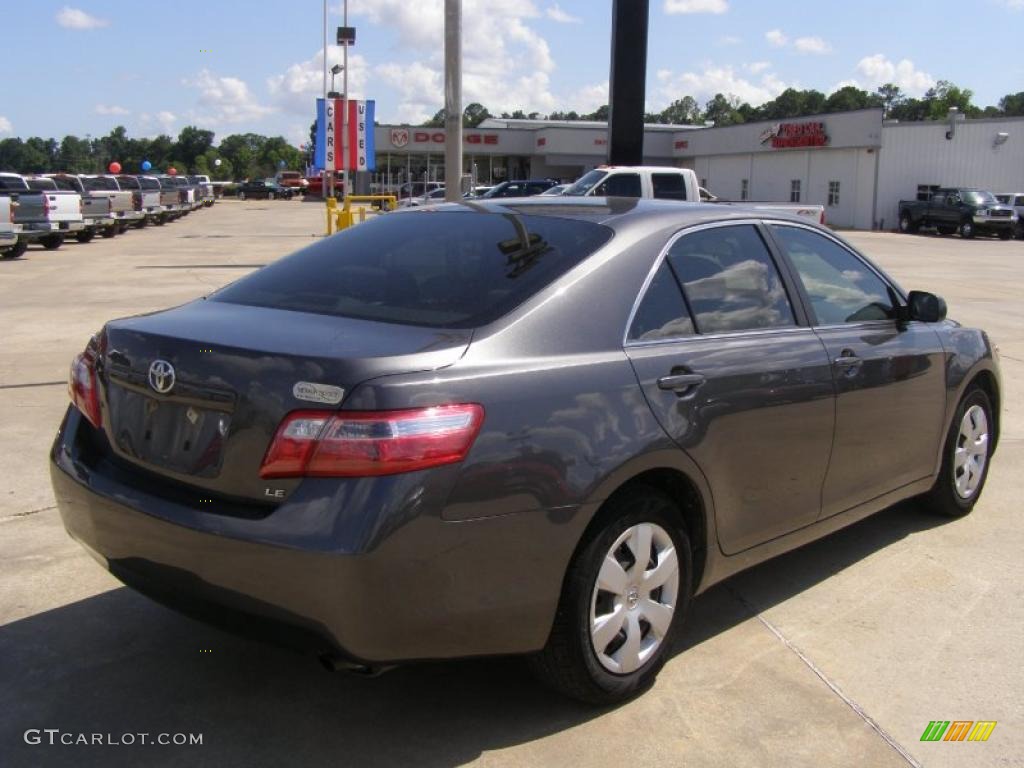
(889, 375)
(736, 382)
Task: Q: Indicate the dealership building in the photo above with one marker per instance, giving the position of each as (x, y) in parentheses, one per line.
(855, 163)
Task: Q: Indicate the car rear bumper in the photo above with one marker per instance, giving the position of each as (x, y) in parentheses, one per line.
(372, 581)
(8, 239)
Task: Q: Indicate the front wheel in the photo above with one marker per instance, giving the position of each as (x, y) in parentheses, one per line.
(625, 596)
(85, 235)
(241, 195)
(110, 231)
(52, 242)
(907, 226)
(967, 230)
(17, 251)
(965, 457)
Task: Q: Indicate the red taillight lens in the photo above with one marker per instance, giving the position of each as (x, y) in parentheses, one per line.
(82, 386)
(821, 219)
(371, 443)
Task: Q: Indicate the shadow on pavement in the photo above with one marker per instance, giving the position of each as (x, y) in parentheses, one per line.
(117, 663)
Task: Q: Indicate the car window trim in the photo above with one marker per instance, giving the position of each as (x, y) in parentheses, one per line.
(805, 299)
(796, 300)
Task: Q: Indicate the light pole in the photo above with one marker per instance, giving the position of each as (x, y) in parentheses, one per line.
(344, 107)
(453, 99)
(335, 71)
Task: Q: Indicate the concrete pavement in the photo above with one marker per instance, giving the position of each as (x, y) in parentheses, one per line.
(837, 654)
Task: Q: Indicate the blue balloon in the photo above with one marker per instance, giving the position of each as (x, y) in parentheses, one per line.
(146, 165)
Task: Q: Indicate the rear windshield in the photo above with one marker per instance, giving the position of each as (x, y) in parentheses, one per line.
(12, 183)
(441, 269)
(63, 182)
(148, 182)
(100, 183)
(42, 184)
(128, 182)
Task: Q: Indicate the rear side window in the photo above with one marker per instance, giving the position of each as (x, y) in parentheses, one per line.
(662, 313)
(620, 185)
(841, 287)
(730, 280)
(441, 269)
(668, 186)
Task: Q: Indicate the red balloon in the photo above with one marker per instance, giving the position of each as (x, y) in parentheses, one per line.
(172, 171)
(114, 167)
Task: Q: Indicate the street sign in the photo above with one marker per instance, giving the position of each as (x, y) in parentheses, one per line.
(346, 35)
(359, 128)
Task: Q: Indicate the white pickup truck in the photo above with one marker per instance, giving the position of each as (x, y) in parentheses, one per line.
(45, 216)
(670, 183)
(10, 245)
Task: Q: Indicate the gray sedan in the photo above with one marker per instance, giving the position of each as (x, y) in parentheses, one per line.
(532, 426)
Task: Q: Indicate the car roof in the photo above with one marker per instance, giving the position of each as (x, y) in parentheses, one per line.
(619, 213)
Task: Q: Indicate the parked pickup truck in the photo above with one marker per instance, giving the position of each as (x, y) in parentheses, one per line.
(98, 206)
(122, 204)
(959, 209)
(670, 183)
(11, 246)
(45, 216)
(204, 189)
(1016, 201)
(145, 191)
(170, 198)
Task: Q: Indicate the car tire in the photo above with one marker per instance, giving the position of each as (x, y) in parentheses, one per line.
(52, 242)
(85, 235)
(907, 225)
(160, 220)
(109, 232)
(958, 488)
(16, 252)
(966, 230)
(1005, 234)
(122, 228)
(570, 663)
(141, 223)
(241, 195)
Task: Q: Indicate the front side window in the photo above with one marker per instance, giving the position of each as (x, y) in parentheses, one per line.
(585, 183)
(730, 280)
(668, 186)
(662, 313)
(841, 287)
(439, 269)
(620, 185)
(979, 197)
(794, 191)
(925, 192)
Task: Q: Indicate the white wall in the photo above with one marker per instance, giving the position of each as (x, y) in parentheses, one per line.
(918, 153)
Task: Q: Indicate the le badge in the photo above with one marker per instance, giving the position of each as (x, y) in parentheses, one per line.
(325, 394)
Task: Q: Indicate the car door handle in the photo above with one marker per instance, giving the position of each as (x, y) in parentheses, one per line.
(680, 382)
(847, 361)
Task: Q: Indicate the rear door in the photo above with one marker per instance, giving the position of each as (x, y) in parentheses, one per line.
(889, 375)
(737, 379)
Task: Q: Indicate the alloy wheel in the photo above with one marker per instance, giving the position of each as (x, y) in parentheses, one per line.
(970, 452)
(634, 598)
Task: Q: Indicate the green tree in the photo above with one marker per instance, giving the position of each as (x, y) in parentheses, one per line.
(723, 110)
(1012, 104)
(75, 155)
(684, 111)
(793, 103)
(192, 142)
(946, 95)
(849, 98)
(437, 121)
(474, 114)
(891, 96)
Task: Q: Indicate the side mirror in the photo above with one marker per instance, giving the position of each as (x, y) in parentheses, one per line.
(926, 307)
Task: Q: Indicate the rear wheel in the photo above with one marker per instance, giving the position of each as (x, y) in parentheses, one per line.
(907, 226)
(122, 228)
(965, 457)
(141, 223)
(110, 231)
(17, 251)
(1005, 234)
(967, 230)
(85, 235)
(52, 242)
(625, 595)
(160, 220)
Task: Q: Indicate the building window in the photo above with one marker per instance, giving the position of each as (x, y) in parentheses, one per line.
(794, 191)
(833, 194)
(925, 192)
(744, 189)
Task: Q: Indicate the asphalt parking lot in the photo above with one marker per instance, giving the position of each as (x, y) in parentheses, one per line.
(837, 654)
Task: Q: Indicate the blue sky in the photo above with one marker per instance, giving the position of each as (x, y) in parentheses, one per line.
(256, 66)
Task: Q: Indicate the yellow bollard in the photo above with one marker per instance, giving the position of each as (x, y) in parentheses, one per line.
(332, 205)
(362, 213)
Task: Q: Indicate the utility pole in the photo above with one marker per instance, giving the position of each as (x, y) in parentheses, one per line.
(323, 171)
(627, 82)
(344, 109)
(453, 100)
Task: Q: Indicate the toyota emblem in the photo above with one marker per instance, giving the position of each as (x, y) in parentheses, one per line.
(161, 376)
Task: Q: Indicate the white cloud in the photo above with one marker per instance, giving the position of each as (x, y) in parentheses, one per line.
(555, 13)
(877, 70)
(161, 122)
(586, 99)
(757, 67)
(225, 100)
(812, 45)
(729, 40)
(507, 63)
(112, 109)
(73, 18)
(1013, 5)
(696, 6)
(5, 125)
(712, 79)
(776, 38)
(302, 83)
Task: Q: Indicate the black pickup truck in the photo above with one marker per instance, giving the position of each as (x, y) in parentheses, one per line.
(959, 209)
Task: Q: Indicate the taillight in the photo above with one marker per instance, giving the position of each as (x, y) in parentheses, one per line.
(14, 205)
(821, 219)
(371, 443)
(82, 385)
(46, 206)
